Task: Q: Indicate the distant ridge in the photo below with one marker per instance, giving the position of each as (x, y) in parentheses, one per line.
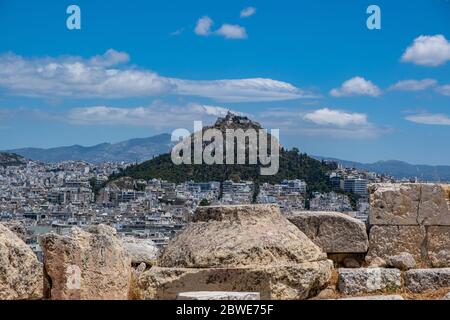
(134, 150)
(142, 149)
(399, 169)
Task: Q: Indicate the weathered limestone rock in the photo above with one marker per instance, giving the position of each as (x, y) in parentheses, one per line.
(380, 297)
(141, 250)
(385, 241)
(409, 204)
(327, 293)
(429, 245)
(366, 280)
(135, 292)
(394, 204)
(87, 265)
(351, 263)
(239, 248)
(17, 227)
(333, 232)
(419, 280)
(347, 260)
(141, 267)
(446, 297)
(438, 246)
(279, 282)
(403, 261)
(376, 262)
(237, 236)
(434, 208)
(21, 274)
(218, 295)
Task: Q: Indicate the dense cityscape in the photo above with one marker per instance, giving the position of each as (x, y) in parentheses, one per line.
(43, 197)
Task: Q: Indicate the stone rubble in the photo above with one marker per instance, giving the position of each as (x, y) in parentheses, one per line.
(377, 262)
(403, 261)
(141, 250)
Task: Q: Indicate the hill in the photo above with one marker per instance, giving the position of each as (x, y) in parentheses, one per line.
(134, 150)
(293, 165)
(10, 159)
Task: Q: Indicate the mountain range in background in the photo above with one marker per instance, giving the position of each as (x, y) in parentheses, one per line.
(143, 149)
(399, 169)
(133, 150)
(10, 159)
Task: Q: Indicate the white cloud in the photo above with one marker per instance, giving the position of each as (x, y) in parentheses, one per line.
(73, 76)
(247, 12)
(158, 115)
(430, 119)
(413, 85)
(110, 58)
(356, 86)
(177, 32)
(243, 90)
(213, 110)
(444, 90)
(228, 31)
(328, 123)
(298, 123)
(102, 76)
(429, 51)
(336, 118)
(203, 27)
(231, 31)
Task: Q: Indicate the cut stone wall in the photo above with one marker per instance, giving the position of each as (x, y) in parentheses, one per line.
(412, 218)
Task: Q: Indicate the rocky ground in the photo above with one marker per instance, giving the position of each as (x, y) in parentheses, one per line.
(250, 252)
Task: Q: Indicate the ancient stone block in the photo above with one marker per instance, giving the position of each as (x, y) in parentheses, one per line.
(385, 241)
(419, 280)
(87, 265)
(379, 297)
(434, 208)
(239, 248)
(218, 295)
(394, 204)
(334, 232)
(438, 246)
(409, 204)
(279, 282)
(366, 280)
(238, 236)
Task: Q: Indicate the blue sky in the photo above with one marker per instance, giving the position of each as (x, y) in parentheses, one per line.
(310, 68)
